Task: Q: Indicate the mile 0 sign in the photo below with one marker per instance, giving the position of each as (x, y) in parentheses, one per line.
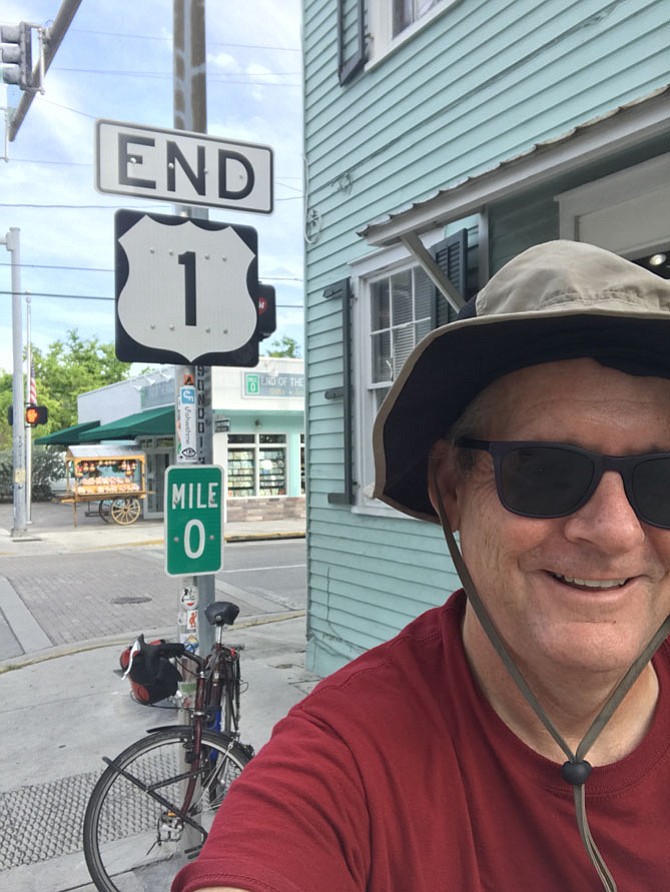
(193, 519)
(186, 290)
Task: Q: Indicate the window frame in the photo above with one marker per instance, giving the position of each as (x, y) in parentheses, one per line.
(365, 272)
(381, 41)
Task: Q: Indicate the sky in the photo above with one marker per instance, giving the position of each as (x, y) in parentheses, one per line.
(116, 63)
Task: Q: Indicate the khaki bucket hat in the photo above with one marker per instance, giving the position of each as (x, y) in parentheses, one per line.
(557, 300)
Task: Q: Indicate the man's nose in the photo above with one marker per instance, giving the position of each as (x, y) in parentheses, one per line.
(607, 516)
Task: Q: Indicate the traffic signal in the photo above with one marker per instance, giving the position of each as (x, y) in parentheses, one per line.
(267, 311)
(36, 415)
(16, 55)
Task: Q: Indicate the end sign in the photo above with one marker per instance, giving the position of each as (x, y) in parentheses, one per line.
(193, 520)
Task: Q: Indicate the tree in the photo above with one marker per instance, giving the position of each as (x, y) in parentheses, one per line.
(285, 347)
(65, 370)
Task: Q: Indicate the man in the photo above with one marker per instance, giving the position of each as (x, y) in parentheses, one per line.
(454, 756)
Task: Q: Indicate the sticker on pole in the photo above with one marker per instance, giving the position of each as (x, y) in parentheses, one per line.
(193, 520)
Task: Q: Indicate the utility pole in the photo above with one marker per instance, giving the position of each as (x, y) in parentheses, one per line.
(190, 113)
(11, 242)
(28, 427)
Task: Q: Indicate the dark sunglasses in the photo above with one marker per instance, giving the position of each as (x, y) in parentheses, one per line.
(538, 479)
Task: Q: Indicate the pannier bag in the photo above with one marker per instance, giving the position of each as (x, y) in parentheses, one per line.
(152, 675)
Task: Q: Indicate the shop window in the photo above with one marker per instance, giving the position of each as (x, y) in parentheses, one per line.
(241, 465)
(272, 465)
(256, 465)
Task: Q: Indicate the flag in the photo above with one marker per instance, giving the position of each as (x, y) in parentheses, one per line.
(33, 388)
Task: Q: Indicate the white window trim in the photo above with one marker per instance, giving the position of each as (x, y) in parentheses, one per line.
(380, 26)
(626, 212)
(373, 266)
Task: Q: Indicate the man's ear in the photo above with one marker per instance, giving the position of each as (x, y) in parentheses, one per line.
(443, 478)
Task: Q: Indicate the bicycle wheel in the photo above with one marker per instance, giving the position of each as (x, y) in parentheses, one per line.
(132, 841)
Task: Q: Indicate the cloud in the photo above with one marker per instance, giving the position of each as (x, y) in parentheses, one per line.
(120, 68)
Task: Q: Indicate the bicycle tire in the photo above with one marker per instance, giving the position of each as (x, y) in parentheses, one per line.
(133, 842)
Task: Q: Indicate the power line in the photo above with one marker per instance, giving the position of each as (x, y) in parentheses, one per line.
(125, 72)
(100, 297)
(102, 269)
(168, 37)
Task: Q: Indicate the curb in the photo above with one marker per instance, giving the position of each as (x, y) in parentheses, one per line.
(68, 650)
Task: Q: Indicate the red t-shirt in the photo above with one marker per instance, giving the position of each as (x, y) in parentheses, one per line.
(395, 774)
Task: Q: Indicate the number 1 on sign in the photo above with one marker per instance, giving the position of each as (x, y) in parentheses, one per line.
(187, 260)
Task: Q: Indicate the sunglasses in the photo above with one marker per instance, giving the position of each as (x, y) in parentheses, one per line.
(538, 479)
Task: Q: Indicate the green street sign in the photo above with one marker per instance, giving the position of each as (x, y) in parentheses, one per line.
(193, 520)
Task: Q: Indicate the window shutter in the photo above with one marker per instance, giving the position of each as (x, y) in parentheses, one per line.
(342, 291)
(451, 255)
(351, 55)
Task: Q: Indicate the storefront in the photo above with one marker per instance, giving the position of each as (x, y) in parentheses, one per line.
(258, 433)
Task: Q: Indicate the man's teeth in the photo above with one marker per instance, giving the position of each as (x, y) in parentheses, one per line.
(592, 583)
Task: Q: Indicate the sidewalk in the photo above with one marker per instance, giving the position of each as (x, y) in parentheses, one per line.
(63, 708)
(52, 529)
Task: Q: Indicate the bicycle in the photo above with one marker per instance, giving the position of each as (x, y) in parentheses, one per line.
(153, 806)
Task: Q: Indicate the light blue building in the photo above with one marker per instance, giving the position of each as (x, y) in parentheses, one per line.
(442, 138)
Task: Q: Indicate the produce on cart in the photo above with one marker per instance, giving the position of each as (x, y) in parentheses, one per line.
(113, 476)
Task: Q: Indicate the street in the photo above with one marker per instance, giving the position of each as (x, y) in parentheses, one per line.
(96, 595)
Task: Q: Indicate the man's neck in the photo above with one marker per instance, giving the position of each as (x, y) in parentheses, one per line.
(571, 702)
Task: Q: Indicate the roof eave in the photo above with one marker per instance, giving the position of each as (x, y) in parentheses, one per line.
(619, 129)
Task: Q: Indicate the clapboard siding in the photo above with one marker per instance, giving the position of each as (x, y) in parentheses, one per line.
(484, 82)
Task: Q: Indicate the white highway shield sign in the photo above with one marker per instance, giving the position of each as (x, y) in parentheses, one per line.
(186, 290)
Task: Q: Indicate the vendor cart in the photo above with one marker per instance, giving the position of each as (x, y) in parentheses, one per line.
(113, 476)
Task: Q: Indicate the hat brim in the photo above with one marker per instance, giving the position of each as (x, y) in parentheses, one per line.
(457, 361)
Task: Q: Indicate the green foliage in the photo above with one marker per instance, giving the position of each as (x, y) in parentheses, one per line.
(288, 347)
(5, 402)
(67, 368)
(48, 466)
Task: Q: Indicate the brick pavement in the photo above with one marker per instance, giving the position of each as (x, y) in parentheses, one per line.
(101, 594)
(92, 595)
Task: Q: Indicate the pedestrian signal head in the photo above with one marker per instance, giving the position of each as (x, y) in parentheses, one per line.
(36, 415)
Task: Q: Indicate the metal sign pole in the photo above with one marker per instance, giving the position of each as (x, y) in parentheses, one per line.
(190, 113)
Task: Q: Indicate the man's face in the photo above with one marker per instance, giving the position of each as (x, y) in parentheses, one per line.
(586, 591)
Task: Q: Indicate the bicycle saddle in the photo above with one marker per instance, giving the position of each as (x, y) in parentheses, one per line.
(222, 613)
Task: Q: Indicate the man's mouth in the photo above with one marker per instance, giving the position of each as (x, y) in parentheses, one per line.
(590, 583)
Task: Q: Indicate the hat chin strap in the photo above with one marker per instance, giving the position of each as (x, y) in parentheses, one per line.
(576, 770)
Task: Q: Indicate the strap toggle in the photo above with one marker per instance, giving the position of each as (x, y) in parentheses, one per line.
(576, 773)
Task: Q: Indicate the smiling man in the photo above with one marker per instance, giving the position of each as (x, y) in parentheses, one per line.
(519, 736)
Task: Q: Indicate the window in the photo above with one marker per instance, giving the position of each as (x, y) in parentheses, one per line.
(256, 465)
(391, 22)
(406, 12)
(396, 305)
(401, 314)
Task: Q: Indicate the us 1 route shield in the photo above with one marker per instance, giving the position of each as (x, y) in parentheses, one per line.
(186, 290)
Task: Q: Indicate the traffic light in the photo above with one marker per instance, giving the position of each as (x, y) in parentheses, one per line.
(36, 415)
(267, 311)
(16, 55)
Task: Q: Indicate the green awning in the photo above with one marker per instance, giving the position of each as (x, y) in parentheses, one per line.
(153, 422)
(67, 436)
